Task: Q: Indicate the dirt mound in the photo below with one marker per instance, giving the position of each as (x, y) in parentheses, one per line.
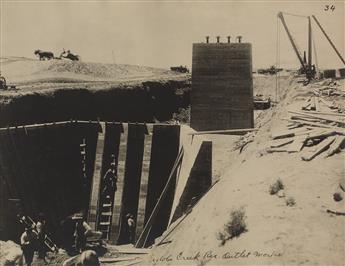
(25, 70)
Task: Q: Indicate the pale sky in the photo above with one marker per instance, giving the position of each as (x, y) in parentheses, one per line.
(161, 34)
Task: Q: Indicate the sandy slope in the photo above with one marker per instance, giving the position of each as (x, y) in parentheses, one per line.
(24, 70)
(277, 234)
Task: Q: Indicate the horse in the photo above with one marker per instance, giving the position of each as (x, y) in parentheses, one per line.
(44, 55)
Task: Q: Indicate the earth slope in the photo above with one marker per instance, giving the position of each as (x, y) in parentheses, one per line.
(24, 71)
(276, 234)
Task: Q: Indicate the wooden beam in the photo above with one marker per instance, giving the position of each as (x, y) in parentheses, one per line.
(96, 180)
(225, 131)
(321, 134)
(306, 103)
(318, 116)
(297, 144)
(65, 123)
(271, 150)
(325, 113)
(336, 145)
(321, 147)
(317, 104)
(313, 104)
(339, 130)
(305, 118)
(281, 142)
(330, 106)
(292, 133)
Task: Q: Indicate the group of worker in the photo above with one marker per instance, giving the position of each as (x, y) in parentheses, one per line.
(32, 239)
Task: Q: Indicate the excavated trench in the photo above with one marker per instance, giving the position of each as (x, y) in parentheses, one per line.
(43, 168)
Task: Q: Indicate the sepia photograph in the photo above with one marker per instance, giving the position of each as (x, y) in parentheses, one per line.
(172, 132)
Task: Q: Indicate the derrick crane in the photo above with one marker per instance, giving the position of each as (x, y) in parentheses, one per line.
(307, 67)
(294, 46)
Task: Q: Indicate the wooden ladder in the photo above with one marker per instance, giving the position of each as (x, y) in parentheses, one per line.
(105, 215)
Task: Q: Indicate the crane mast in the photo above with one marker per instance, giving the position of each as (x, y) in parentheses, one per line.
(281, 17)
(309, 44)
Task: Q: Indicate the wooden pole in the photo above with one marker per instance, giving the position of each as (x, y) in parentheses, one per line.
(329, 40)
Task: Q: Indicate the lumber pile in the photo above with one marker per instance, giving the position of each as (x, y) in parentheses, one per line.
(328, 88)
(319, 104)
(311, 132)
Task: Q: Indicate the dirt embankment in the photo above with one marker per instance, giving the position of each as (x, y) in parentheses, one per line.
(145, 102)
(21, 70)
(276, 234)
(62, 90)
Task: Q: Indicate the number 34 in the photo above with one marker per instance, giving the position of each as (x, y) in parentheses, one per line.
(329, 8)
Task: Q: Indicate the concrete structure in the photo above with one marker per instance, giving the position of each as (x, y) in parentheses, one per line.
(222, 86)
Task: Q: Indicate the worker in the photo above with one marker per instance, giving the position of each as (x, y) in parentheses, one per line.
(27, 242)
(313, 71)
(80, 232)
(41, 233)
(131, 228)
(109, 180)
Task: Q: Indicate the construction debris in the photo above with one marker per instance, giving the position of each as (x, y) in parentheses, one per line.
(318, 127)
(324, 145)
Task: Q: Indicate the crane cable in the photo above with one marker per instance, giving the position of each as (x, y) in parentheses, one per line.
(277, 58)
(295, 15)
(315, 54)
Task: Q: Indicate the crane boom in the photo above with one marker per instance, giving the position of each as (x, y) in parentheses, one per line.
(309, 44)
(280, 15)
(329, 40)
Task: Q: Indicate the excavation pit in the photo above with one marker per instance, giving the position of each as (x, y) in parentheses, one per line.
(58, 168)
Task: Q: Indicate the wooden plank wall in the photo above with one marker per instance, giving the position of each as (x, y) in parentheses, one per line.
(131, 187)
(121, 166)
(164, 151)
(42, 167)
